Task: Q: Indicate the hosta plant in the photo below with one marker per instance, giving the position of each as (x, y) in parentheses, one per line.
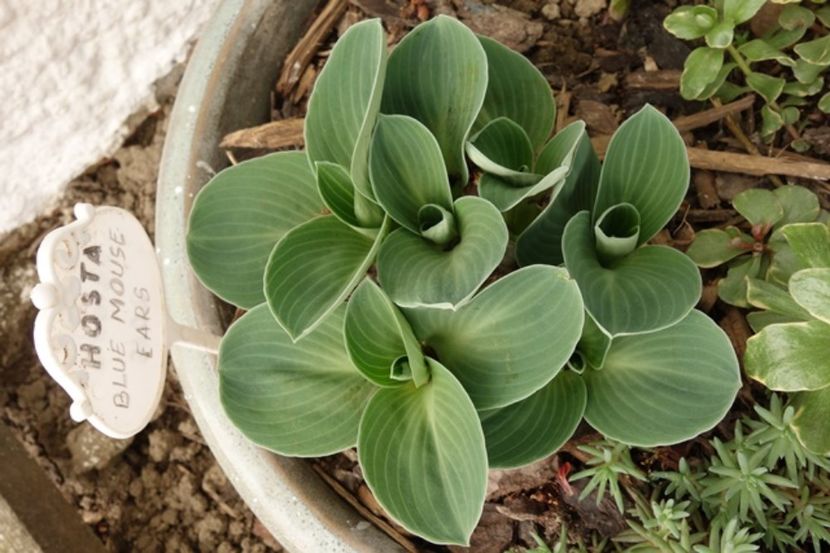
(362, 261)
(721, 27)
(791, 353)
(762, 252)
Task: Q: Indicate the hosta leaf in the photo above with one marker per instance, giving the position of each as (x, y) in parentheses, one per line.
(732, 288)
(407, 170)
(338, 193)
(651, 288)
(438, 75)
(346, 100)
(594, 343)
(664, 387)
(769, 88)
(713, 247)
(741, 10)
(790, 357)
(511, 339)
(702, 68)
(815, 51)
(759, 206)
(646, 166)
(720, 36)
(300, 399)
(764, 295)
(416, 272)
(377, 335)
(516, 89)
(535, 427)
(811, 289)
(554, 164)
(239, 216)
(812, 411)
(800, 205)
(541, 242)
(810, 242)
(502, 148)
(313, 268)
(691, 22)
(423, 456)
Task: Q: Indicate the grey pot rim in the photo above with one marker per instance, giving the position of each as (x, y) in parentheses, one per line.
(225, 88)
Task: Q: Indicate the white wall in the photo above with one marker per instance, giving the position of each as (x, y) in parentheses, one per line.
(71, 72)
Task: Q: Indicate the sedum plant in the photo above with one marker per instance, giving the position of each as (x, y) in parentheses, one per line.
(791, 351)
(362, 261)
(762, 252)
(727, 48)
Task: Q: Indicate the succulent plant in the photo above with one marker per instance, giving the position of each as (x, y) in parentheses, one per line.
(761, 253)
(362, 261)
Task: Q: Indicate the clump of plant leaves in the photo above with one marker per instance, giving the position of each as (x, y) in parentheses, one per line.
(791, 352)
(361, 263)
(762, 252)
(729, 46)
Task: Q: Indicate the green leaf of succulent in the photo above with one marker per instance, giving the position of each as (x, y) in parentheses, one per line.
(758, 206)
(815, 51)
(312, 270)
(720, 36)
(651, 288)
(541, 242)
(810, 422)
(377, 336)
(438, 75)
(764, 295)
(740, 11)
(516, 89)
(416, 272)
(702, 67)
(796, 17)
(769, 88)
(760, 50)
(800, 204)
(784, 261)
(784, 38)
(346, 100)
(534, 428)
(712, 247)
(555, 163)
(790, 357)
(645, 166)
(771, 121)
(824, 103)
(301, 399)
(239, 216)
(724, 90)
(823, 15)
(801, 90)
(338, 193)
(423, 456)
(759, 320)
(811, 289)
(807, 72)
(664, 387)
(732, 288)
(810, 242)
(509, 340)
(407, 170)
(691, 22)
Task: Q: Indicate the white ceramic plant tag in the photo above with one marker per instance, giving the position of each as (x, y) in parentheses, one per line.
(103, 332)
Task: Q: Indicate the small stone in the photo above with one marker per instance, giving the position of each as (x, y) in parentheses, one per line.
(551, 11)
(92, 450)
(589, 8)
(161, 442)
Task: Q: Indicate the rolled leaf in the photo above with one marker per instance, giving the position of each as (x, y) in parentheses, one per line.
(535, 427)
(407, 170)
(503, 149)
(346, 100)
(438, 75)
(645, 166)
(423, 456)
(511, 339)
(312, 270)
(340, 197)
(790, 357)
(303, 399)
(516, 89)
(664, 387)
(649, 289)
(239, 216)
(416, 272)
(594, 343)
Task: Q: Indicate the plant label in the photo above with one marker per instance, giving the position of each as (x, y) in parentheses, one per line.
(102, 331)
